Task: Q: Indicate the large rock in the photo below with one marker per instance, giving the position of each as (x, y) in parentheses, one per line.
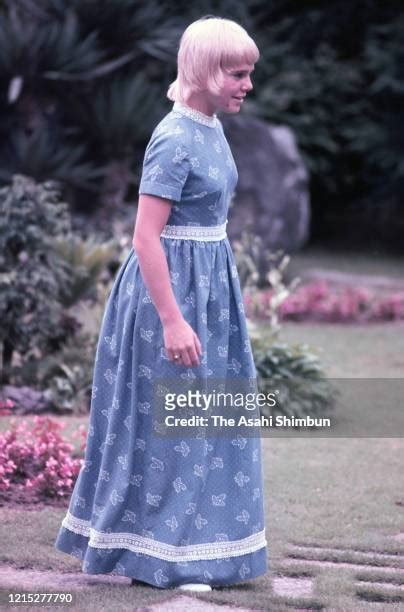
(272, 197)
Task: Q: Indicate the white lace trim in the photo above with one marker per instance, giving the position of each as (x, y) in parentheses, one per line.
(167, 552)
(195, 115)
(201, 233)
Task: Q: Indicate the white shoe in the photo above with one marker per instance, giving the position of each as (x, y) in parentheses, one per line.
(194, 586)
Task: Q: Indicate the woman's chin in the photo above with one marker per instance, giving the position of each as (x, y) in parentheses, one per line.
(232, 109)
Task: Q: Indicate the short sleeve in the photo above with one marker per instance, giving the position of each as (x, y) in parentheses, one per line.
(165, 166)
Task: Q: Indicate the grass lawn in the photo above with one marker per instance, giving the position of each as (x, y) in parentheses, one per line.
(372, 261)
(334, 507)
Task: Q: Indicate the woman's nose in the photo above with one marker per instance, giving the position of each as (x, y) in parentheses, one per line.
(247, 85)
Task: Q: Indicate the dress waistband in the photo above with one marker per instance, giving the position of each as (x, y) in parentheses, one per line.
(195, 232)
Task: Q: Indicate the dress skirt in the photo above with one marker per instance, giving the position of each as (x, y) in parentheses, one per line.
(168, 510)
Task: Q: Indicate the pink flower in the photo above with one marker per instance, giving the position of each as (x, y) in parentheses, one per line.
(318, 301)
(38, 453)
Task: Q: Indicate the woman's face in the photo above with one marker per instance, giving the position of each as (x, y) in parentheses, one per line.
(236, 83)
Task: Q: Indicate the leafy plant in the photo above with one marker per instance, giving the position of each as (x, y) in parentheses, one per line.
(259, 267)
(296, 372)
(83, 90)
(249, 255)
(48, 153)
(34, 279)
(86, 258)
(65, 376)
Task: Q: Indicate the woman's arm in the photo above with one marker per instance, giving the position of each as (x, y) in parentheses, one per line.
(179, 337)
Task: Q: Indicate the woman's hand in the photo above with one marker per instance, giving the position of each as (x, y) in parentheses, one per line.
(182, 343)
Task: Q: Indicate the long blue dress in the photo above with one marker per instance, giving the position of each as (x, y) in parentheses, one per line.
(171, 511)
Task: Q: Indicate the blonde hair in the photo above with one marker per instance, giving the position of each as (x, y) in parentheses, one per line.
(207, 47)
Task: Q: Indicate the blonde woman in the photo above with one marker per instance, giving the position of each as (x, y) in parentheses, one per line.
(188, 512)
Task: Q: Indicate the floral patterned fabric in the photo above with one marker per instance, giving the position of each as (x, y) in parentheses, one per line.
(188, 509)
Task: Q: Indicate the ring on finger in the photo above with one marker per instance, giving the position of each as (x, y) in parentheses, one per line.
(176, 357)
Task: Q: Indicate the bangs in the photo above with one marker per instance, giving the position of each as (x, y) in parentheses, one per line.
(238, 50)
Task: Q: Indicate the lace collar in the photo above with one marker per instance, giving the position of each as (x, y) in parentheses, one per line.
(195, 115)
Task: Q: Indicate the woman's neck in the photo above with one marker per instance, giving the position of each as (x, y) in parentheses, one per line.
(199, 103)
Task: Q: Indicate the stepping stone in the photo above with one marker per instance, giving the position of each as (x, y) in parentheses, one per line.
(336, 550)
(338, 564)
(286, 586)
(179, 604)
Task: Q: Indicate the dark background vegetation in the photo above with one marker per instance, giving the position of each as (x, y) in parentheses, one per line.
(83, 82)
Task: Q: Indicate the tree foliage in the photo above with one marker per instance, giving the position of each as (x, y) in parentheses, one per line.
(334, 75)
(83, 82)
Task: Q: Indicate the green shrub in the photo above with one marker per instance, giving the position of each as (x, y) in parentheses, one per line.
(45, 272)
(297, 373)
(68, 374)
(34, 279)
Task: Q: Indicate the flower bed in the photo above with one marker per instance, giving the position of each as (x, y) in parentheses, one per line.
(36, 463)
(319, 301)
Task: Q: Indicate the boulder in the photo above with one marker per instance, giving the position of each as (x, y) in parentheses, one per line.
(272, 195)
